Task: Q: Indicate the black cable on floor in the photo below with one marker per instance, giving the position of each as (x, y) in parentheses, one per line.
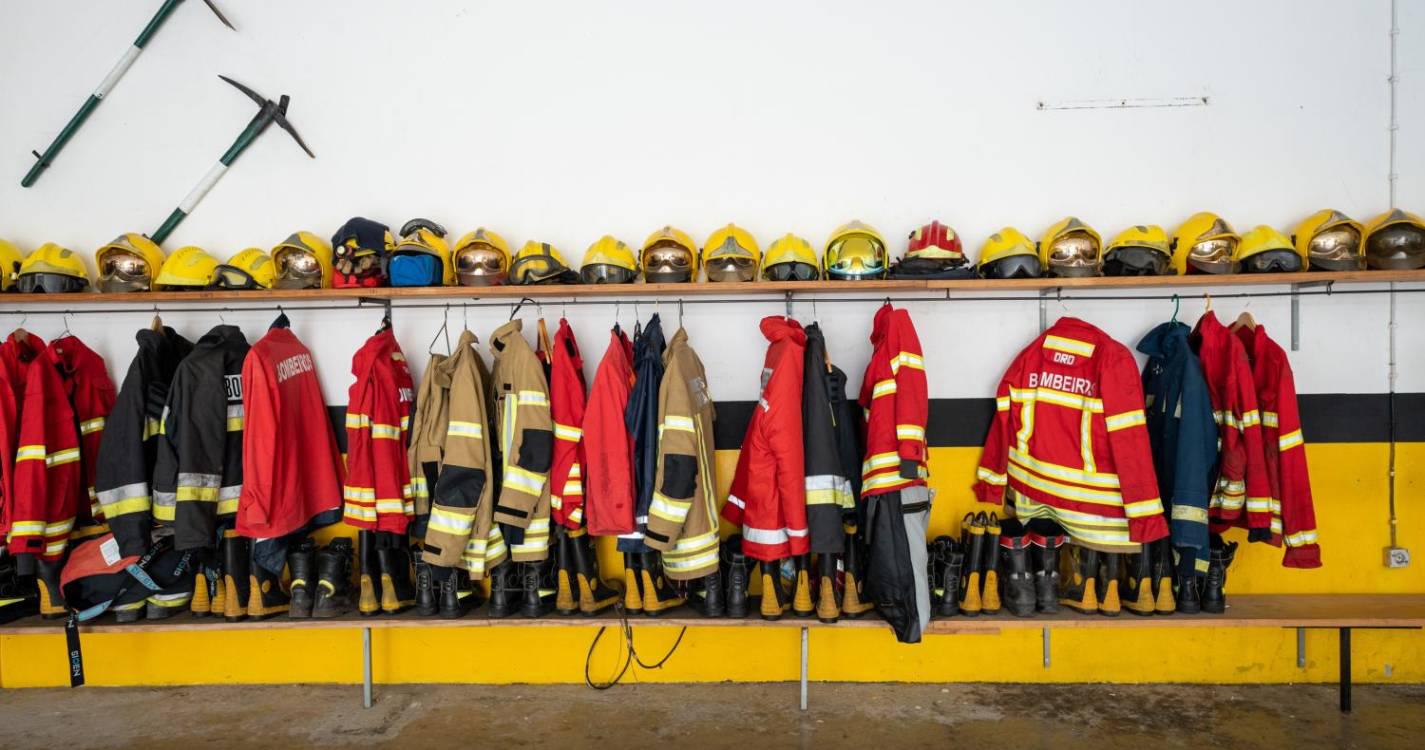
(630, 654)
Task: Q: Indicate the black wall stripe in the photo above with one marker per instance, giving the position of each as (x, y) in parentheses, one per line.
(963, 422)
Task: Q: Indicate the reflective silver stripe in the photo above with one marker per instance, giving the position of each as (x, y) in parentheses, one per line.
(137, 489)
(189, 479)
(231, 492)
(165, 499)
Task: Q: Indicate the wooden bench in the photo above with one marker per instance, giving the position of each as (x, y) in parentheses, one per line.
(1340, 612)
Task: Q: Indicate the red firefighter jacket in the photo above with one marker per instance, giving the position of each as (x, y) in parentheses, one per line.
(17, 352)
(59, 442)
(378, 416)
(897, 405)
(768, 498)
(1293, 513)
(1241, 463)
(1070, 438)
(608, 447)
(566, 405)
(292, 473)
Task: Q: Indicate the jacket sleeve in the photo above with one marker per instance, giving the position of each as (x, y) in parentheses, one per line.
(98, 404)
(258, 454)
(735, 509)
(1127, 427)
(391, 473)
(676, 487)
(359, 492)
(121, 481)
(567, 408)
(912, 399)
(531, 448)
(201, 448)
(46, 474)
(165, 462)
(1196, 450)
(784, 418)
(990, 476)
(1249, 422)
(464, 482)
(1297, 511)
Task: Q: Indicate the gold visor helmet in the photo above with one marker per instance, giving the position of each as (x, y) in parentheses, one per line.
(1395, 240)
(128, 264)
(731, 254)
(482, 258)
(669, 257)
(1331, 241)
(1071, 248)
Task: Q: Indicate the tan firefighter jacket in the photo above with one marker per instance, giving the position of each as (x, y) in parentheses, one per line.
(526, 446)
(682, 519)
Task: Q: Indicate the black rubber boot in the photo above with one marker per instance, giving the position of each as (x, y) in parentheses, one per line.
(301, 563)
(537, 588)
(828, 608)
(47, 578)
(398, 591)
(1162, 577)
(632, 584)
(1219, 559)
(734, 564)
(1081, 593)
(470, 593)
(774, 596)
(853, 604)
(1019, 597)
(446, 581)
(593, 595)
(237, 575)
(972, 542)
(333, 579)
(658, 594)
(427, 587)
(177, 598)
(504, 589)
(935, 569)
(946, 560)
(705, 595)
(1188, 586)
(369, 602)
(267, 597)
(1110, 570)
(1138, 589)
(1046, 570)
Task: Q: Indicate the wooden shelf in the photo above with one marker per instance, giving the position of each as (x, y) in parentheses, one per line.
(459, 294)
(1244, 611)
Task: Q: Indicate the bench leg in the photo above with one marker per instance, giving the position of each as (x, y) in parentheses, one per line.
(366, 667)
(804, 668)
(1345, 635)
(1045, 637)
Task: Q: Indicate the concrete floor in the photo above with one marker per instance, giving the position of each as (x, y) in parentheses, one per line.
(745, 716)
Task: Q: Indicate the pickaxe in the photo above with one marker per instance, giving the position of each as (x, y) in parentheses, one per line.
(106, 85)
(269, 113)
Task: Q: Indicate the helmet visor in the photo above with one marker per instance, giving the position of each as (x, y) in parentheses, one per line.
(1136, 261)
(857, 256)
(480, 265)
(1073, 250)
(667, 263)
(1214, 255)
(123, 272)
(792, 271)
(298, 269)
(1012, 267)
(732, 268)
(1273, 261)
(1337, 249)
(1401, 246)
(605, 273)
(50, 283)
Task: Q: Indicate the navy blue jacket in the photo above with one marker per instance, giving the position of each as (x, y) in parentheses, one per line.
(641, 418)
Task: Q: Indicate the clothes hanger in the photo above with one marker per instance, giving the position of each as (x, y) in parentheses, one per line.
(66, 332)
(445, 329)
(680, 312)
(1176, 303)
(157, 323)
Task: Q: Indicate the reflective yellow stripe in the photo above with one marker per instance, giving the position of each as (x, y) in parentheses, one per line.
(1290, 440)
(127, 505)
(1002, 403)
(910, 432)
(1125, 420)
(1086, 441)
(526, 481)
(565, 432)
(1063, 490)
(1270, 419)
(449, 522)
(669, 509)
(906, 359)
(673, 422)
(356, 421)
(1143, 508)
(27, 528)
(227, 506)
(91, 425)
(883, 388)
(883, 480)
(234, 424)
(151, 427)
(1026, 420)
(880, 461)
(390, 505)
(30, 453)
(1059, 398)
(532, 398)
(385, 431)
(405, 423)
(1065, 473)
(58, 458)
(458, 428)
(360, 512)
(197, 494)
(1301, 538)
(1189, 513)
(358, 493)
(1252, 417)
(1259, 505)
(1069, 346)
(990, 477)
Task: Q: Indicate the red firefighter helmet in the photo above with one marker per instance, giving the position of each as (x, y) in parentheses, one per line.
(935, 240)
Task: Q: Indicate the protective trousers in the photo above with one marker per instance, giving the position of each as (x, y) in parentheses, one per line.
(896, 577)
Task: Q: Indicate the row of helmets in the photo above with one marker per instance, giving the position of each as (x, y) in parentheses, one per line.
(366, 254)
(1327, 240)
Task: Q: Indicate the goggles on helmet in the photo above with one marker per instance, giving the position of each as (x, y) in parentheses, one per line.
(606, 273)
(1400, 246)
(1074, 254)
(791, 271)
(667, 262)
(50, 283)
(298, 269)
(121, 271)
(857, 257)
(1136, 261)
(1012, 267)
(1336, 249)
(731, 262)
(480, 265)
(1272, 261)
(232, 277)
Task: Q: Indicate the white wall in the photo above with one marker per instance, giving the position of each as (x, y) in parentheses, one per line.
(564, 121)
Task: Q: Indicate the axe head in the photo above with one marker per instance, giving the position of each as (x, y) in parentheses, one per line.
(276, 111)
(219, 14)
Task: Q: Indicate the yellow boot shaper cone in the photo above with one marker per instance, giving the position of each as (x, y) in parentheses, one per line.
(201, 605)
(564, 602)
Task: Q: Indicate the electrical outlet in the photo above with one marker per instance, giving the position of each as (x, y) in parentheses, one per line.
(1397, 557)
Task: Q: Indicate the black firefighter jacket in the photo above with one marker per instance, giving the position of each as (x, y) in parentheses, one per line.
(831, 436)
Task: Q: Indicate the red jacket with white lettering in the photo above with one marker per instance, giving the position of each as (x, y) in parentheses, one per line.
(566, 405)
(1241, 460)
(768, 497)
(897, 405)
(608, 446)
(1070, 439)
(1284, 449)
(378, 414)
(291, 466)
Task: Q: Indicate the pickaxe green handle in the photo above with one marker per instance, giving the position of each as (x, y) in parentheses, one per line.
(44, 160)
(269, 113)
